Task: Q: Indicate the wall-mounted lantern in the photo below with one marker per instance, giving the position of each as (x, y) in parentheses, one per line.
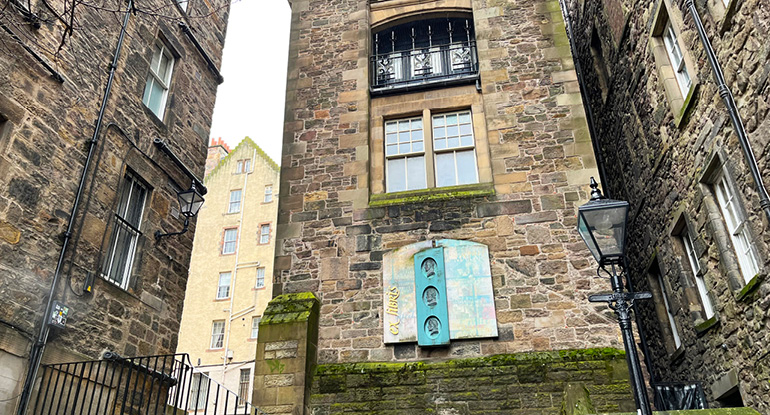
(190, 202)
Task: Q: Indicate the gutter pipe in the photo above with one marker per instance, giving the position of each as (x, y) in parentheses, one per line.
(206, 57)
(36, 353)
(732, 109)
(586, 102)
(163, 146)
(54, 74)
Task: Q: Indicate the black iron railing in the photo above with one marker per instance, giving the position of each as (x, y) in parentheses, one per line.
(424, 66)
(163, 384)
(679, 396)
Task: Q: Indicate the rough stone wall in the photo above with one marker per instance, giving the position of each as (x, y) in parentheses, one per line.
(526, 383)
(331, 236)
(45, 129)
(657, 166)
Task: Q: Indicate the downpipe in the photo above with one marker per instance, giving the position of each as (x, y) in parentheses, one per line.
(36, 353)
(732, 109)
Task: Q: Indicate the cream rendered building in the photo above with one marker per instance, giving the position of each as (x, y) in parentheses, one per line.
(229, 284)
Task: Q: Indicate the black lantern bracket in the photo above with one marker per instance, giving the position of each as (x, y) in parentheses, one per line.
(190, 202)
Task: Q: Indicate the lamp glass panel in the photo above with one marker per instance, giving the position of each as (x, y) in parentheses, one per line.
(607, 225)
(586, 235)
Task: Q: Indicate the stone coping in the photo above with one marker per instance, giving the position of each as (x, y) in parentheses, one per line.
(713, 411)
(287, 308)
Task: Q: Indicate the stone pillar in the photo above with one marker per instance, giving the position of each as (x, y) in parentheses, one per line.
(286, 354)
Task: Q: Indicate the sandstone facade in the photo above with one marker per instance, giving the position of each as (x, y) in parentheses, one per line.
(664, 153)
(232, 288)
(45, 126)
(336, 218)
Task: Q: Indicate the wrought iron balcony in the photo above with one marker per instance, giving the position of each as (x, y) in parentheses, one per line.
(425, 53)
(443, 64)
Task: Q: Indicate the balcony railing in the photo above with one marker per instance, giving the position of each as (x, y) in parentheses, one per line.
(419, 67)
(165, 384)
(679, 396)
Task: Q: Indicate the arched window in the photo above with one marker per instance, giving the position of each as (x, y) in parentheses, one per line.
(435, 50)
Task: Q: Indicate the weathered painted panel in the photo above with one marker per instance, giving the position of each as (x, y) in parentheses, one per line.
(469, 295)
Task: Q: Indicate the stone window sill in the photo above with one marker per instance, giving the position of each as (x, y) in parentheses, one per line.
(433, 194)
(704, 326)
(745, 294)
(677, 355)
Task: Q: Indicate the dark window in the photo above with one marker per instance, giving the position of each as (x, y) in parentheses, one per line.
(243, 387)
(731, 399)
(126, 233)
(424, 52)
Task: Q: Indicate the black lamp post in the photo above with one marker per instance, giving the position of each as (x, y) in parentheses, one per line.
(190, 202)
(602, 225)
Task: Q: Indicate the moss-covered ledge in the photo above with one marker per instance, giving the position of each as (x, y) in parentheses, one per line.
(745, 294)
(433, 194)
(287, 308)
(712, 411)
(704, 326)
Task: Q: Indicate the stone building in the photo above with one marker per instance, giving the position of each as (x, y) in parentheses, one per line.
(232, 259)
(417, 127)
(138, 105)
(698, 236)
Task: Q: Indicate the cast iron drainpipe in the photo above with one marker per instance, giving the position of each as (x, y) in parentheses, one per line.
(732, 109)
(163, 146)
(38, 347)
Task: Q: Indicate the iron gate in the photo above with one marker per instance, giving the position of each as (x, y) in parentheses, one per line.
(114, 385)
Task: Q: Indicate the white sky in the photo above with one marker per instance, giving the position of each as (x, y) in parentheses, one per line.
(250, 102)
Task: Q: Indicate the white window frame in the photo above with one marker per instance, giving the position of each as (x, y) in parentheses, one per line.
(260, 283)
(454, 149)
(415, 151)
(243, 386)
(134, 194)
(255, 327)
(183, 4)
(199, 388)
(700, 282)
(268, 194)
(737, 227)
(675, 56)
(153, 77)
(669, 313)
(217, 335)
(264, 237)
(229, 245)
(235, 203)
(223, 291)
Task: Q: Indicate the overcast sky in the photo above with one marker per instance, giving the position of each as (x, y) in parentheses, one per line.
(250, 102)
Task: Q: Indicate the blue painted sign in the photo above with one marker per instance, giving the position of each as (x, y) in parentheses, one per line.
(430, 286)
(470, 304)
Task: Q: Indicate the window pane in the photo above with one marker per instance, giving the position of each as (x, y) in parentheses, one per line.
(147, 91)
(391, 139)
(451, 119)
(156, 53)
(391, 127)
(465, 117)
(223, 287)
(156, 98)
(453, 142)
(260, 278)
(439, 144)
(466, 140)
(452, 131)
(445, 169)
(254, 327)
(466, 167)
(439, 132)
(415, 173)
(403, 126)
(417, 146)
(391, 150)
(396, 171)
(163, 68)
(404, 148)
(403, 137)
(417, 136)
(438, 120)
(417, 124)
(465, 129)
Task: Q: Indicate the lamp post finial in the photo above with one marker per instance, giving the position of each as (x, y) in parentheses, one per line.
(596, 194)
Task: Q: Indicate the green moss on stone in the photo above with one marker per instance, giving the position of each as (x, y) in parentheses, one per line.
(704, 326)
(288, 308)
(750, 288)
(429, 195)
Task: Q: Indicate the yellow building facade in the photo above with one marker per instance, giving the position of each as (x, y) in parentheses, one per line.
(229, 283)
